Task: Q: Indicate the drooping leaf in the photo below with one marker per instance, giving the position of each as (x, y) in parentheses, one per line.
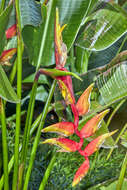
(6, 90)
(106, 27)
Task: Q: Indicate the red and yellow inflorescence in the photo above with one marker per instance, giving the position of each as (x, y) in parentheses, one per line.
(8, 54)
(78, 109)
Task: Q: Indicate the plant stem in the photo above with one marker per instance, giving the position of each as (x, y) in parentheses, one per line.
(122, 174)
(13, 72)
(114, 111)
(11, 162)
(4, 145)
(32, 98)
(47, 173)
(19, 88)
(27, 132)
(116, 141)
(37, 138)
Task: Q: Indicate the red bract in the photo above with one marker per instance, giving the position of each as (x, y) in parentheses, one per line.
(94, 145)
(81, 172)
(66, 145)
(7, 55)
(62, 128)
(10, 32)
(92, 125)
(83, 103)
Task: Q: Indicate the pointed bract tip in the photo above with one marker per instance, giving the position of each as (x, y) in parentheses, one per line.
(83, 104)
(81, 172)
(62, 128)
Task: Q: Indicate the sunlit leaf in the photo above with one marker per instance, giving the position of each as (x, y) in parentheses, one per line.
(106, 27)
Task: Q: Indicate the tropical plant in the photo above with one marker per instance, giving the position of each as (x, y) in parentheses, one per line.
(95, 51)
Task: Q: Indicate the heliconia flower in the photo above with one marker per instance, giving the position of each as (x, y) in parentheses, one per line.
(62, 128)
(94, 145)
(92, 125)
(10, 32)
(66, 93)
(83, 104)
(81, 172)
(7, 55)
(66, 145)
(60, 47)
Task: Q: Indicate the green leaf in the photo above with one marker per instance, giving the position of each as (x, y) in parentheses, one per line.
(4, 18)
(112, 83)
(6, 90)
(41, 95)
(72, 13)
(105, 28)
(30, 12)
(30, 79)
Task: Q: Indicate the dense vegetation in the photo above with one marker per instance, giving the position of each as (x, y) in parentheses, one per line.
(30, 97)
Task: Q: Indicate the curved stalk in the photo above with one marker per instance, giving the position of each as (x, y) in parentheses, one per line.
(47, 173)
(37, 138)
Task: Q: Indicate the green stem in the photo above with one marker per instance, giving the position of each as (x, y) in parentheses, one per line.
(4, 145)
(13, 72)
(2, 5)
(114, 111)
(123, 42)
(47, 173)
(27, 132)
(32, 99)
(116, 141)
(19, 88)
(37, 138)
(11, 162)
(122, 174)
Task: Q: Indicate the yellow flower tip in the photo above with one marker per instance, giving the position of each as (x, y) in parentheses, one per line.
(62, 28)
(102, 114)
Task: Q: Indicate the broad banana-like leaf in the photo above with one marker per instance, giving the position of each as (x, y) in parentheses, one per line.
(112, 84)
(72, 13)
(105, 28)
